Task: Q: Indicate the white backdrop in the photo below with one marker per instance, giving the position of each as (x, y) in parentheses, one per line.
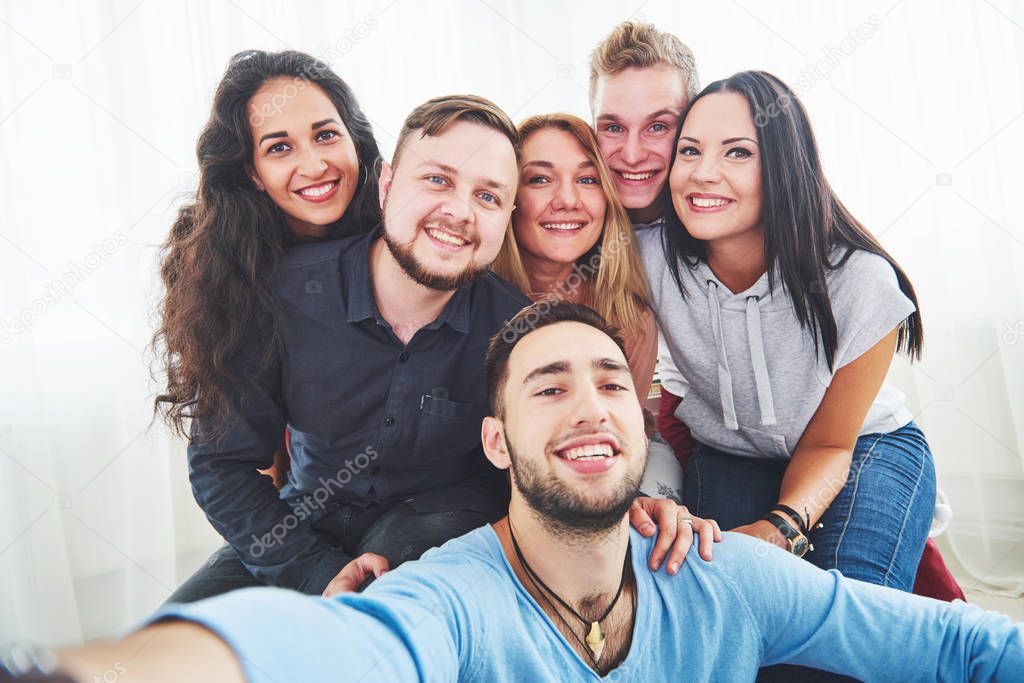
(918, 113)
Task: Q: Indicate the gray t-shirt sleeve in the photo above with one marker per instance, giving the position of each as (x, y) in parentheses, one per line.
(867, 303)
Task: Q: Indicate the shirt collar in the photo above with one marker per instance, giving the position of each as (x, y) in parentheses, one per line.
(456, 311)
(358, 285)
(656, 223)
(362, 306)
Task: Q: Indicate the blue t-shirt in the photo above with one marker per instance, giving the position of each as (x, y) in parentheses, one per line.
(460, 613)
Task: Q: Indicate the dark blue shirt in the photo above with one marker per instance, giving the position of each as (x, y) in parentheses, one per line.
(369, 419)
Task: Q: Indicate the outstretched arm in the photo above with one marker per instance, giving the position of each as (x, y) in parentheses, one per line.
(269, 635)
(820, 619)
(163, 653)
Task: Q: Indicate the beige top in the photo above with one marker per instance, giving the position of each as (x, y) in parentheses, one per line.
(642, 354)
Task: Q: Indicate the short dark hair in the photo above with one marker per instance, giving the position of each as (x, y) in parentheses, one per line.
(535, 316)
(434, 117)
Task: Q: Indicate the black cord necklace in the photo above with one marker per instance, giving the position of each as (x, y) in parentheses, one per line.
(595, 637)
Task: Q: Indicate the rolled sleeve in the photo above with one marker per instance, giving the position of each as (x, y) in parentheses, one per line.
(868, 304)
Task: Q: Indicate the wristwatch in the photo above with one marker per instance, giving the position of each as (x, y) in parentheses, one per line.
(799, 544)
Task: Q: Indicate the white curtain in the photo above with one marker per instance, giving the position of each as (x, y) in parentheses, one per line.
(918, 114)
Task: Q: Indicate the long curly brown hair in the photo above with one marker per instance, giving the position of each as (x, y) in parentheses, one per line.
(224, 244)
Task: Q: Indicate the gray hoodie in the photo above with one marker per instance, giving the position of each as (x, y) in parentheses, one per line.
(751, 376)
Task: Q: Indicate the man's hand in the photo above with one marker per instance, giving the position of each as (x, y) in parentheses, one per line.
(764, 530)
(353, 574)
(648, 514)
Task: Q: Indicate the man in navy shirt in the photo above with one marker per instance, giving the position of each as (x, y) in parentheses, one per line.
(380, 382)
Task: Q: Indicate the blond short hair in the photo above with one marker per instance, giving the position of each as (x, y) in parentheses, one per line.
(434, 117)
(639, 45)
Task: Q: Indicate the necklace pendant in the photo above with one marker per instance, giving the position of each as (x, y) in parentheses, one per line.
(595, 640)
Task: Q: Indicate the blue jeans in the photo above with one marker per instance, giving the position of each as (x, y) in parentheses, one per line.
(874, 530)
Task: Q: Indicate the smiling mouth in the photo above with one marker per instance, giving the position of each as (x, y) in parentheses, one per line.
(641, 177)
(567, 226)
(708, 202)
(589, 451)
(319, 191)
(446, 237)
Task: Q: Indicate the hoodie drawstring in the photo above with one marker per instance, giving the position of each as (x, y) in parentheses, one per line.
(761, 380)
(755, 343)
(724, 376)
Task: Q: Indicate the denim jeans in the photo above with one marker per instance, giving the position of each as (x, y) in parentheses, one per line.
(397, 532)
(874, 530)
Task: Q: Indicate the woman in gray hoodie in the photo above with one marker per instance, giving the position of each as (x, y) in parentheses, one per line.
(783, 313)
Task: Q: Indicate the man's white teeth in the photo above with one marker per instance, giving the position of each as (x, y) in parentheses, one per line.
(707, 202)
(318, 191)
(562, 226)
(442, 236)
(637, 176)
(597, 450)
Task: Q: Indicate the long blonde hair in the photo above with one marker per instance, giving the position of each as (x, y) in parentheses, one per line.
(619, 291)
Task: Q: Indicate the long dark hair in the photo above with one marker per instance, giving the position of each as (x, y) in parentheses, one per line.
(802, 217)
(223, 245)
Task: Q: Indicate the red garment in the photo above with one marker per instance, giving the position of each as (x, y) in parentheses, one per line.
(675, 433)
(934, 579)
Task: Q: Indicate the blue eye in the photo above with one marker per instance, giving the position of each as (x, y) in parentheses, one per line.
(437, 180)
(589, 180)
(488, 197)
(659, 127)
(613, 128)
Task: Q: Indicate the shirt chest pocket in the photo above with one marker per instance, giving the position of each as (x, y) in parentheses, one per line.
(447, 431)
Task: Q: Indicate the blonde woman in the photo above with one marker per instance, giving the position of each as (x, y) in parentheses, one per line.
(571, 239)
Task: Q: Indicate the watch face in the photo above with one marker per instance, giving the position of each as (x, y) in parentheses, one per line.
(800, 546)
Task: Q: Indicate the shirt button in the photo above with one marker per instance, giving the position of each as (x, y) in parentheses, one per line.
(403, 356)
(389, 421)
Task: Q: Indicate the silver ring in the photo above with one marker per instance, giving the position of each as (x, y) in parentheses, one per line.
(688, 520)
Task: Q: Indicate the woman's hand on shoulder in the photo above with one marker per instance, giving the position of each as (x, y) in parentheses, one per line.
(675, 527)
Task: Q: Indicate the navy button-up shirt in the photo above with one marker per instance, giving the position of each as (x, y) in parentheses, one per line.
(369, 419)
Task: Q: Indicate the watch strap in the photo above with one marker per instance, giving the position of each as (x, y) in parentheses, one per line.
(791, 534)
(794, 514)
